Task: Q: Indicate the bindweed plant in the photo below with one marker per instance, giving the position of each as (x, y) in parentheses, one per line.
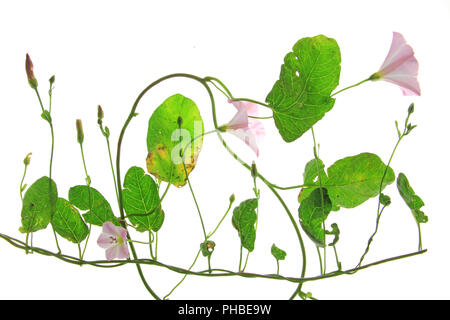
(305, 91)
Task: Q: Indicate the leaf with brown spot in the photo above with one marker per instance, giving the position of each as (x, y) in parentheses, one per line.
(171, 131)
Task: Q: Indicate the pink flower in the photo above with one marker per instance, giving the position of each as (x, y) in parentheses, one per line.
(114, 240)
(400, 67)
(249, 130)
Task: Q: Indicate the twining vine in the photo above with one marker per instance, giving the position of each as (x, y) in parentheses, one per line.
(300, 98)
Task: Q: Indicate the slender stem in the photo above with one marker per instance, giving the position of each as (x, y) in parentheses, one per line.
(112, 168)
(322, 199)
(349, 87)
(184, 277)
(88, 183)
(149, 244)
(156, 245)
(338, 264)
(230, 96)
(79, 251)
(51, 155)
(420, 237)
(272, 188)
(221, 220)
(240, 258)
(320, 259)
(379, 210)
(21, 182)
(205, 273)
(119, 146)
(278, 267)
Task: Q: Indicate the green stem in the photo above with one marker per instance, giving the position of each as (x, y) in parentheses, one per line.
(349, 87)
(278, 267)
(322, 199)
(88, 183)
(205, 273)
(156, 245)
(272, 188)
(51, 154)
(149, 244)
(230, 96)
(184, 277)
(420, 237)
(338, 264)
(21, 182)
(379, 210)
(320, 259)
(119, 146)
(240, 258)
(112, 168)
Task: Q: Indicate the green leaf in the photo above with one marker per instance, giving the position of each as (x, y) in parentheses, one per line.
(353, 180)
(207, 248)
(140, 196)
(334, 231)
(313, 212)
(413, 201)
(385, 200)
(301, 96)
(278, 253)
(170, 129)
(88, 198)
(46, 116)
(68, 223)
(312, 170)
(244, 219)
(39, 205)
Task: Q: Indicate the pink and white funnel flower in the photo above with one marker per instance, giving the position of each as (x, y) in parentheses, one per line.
(249, 130)
(114, 240)
(400, 67)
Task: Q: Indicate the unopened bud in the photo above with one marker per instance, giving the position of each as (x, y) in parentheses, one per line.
(80, 134)
(51, 80)
(254, 171)
(411, 108)
(100, 115)
(27, 159)
(30, 74)
(232, 198)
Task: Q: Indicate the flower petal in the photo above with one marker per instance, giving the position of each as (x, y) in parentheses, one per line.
(105, 241)
(248, 137)
(123, 252)
(400, 66)
(112, 253)
(109, 228)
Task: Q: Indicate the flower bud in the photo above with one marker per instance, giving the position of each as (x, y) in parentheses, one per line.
(80, 134)
(232, 198)
(30, 74)
(100, 115)
(411, 108)
(27, 159)
(254, 170)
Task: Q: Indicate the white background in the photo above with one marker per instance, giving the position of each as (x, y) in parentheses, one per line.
(106, 52)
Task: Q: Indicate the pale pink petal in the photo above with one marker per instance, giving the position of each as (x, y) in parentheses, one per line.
(105, 241)
(248, 137)
(109, 228)
(123, 252)
(400, 66)
(112, 253)
(123, 233)
(239, 121)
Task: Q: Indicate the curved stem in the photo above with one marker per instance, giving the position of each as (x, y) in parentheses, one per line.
(205, 273)
(352, 86)
(119, 146)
